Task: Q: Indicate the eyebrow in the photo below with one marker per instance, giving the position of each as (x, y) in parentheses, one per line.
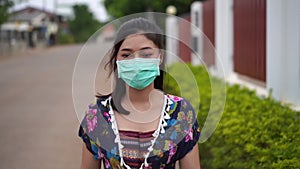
(130, 50)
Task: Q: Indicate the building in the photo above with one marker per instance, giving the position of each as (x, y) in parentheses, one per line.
(256, 42)
(31, 26)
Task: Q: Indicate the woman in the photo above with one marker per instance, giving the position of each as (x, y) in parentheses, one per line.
(138, 125)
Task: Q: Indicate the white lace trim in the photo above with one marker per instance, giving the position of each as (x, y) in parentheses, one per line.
(160, 129)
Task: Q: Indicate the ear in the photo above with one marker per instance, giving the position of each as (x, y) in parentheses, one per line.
(161, 56)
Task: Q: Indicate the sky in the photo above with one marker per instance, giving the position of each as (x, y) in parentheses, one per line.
(64, 6)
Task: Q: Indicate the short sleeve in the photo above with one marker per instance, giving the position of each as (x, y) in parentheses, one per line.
(87, 130)
(191, 130)
(188, 143)
(90, 145)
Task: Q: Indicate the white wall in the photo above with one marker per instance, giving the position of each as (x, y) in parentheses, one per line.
(171, 39)
(197, 32)
(224, 36)
(283, 49)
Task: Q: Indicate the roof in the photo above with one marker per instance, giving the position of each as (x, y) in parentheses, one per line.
(29, 13)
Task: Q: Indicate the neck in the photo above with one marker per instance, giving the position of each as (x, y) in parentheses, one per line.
(139, 96)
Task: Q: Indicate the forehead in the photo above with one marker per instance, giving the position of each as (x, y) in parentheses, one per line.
(137, 42)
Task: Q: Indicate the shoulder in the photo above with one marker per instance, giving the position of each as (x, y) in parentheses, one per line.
(94, 113)
(181, 112)
(95, 127)
(174, 97)
(102, 99)
(182, 127)
(98, 101)
(178, 104)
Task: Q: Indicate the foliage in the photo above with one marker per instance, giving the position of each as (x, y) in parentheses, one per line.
(178, 73)
(65, 37)
(4, 6)
(119, 8)
(254, 132)
(84, 24)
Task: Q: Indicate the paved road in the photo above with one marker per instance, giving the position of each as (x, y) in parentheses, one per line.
(38, 123)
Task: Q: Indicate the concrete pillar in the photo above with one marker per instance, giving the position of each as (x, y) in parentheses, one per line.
(224, 37)
(283, 52)
(197, 33)
(172, 36)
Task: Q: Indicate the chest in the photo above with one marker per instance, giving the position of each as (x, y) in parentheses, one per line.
(137, 122)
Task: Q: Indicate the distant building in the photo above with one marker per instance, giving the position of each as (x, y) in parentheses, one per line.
(31, 26)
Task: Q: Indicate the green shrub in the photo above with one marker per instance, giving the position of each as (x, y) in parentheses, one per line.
(178, 71)
(65, 38)
(254, 132)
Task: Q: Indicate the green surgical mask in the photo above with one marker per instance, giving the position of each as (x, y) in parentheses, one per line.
(138, 72)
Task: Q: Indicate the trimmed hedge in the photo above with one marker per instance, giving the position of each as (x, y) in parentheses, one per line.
(254, 132)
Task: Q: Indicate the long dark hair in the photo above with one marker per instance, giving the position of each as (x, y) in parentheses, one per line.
(134, 26)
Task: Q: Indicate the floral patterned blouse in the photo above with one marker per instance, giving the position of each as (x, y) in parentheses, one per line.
(180, 134)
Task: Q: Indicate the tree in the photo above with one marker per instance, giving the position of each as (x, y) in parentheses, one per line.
(4, 6)
(119, 8)
(84, 24)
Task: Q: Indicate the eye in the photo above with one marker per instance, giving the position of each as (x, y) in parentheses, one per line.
(125, 55)
(146, 55)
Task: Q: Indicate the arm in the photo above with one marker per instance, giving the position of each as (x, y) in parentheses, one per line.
(191, 160)
(88, 161)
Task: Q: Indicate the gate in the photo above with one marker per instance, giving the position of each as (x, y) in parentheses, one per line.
(209, 30)
(250, 38)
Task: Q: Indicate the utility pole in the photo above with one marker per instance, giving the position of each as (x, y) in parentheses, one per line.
(44, 5)
(55, 6)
